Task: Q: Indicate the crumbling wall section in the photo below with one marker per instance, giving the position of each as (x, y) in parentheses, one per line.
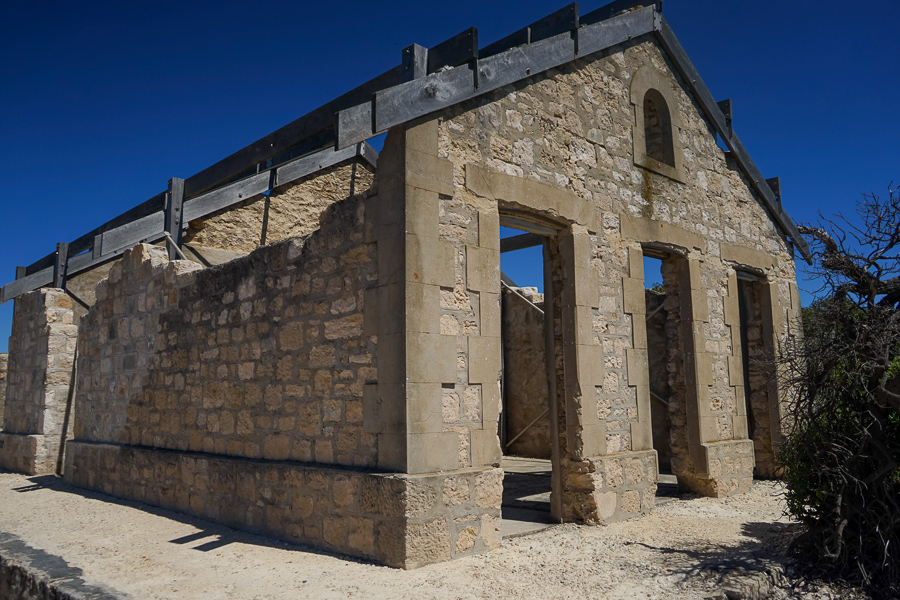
(235, 393)
(262, 357)
(42, 352)
(293, 210)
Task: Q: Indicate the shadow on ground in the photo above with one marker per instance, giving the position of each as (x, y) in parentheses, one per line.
(220, 535)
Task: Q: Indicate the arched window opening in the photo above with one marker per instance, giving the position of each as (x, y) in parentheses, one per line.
(658, 129)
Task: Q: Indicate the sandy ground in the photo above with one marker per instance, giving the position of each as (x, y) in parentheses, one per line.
(682, 550)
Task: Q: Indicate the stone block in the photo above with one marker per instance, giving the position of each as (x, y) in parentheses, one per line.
(432, 452)
(422, 136)
(482, 269)
(391, 255)
(638, 366)
(422, 213)
(490, 314)
(392, 451)
(392, 357)
(423, 408)
(427, 543)
(639, 332)
(424, 308)
(428, 172)
(384, 408)
(643, 229)
(641, 436)
(489, 230)
(478, 181)
(490, 398)
(746, 256)
(735, 369)
(431, 358)
(739, 424)
(485, 448)
(642, 394)
(636, 263)
(484, 359)
(430, 261)
(593, 440)
(587, 287)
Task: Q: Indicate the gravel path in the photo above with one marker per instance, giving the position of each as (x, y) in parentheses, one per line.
(688, 548)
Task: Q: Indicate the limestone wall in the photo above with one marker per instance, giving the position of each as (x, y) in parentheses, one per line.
(42, 351)
(400, 520)
(293, 210)
(526, 393)
(658, 365)
(573, 129)
(262, 357)
(235, 393)
(4, 363)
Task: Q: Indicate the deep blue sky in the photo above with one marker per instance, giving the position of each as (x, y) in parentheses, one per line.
(102, 102)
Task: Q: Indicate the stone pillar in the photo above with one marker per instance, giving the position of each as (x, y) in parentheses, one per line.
(703, 461)
(609, 468)
(41, 358)
(418, 360)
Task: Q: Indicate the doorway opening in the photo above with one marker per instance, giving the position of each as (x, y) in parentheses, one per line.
(661, 296)
(527, 439)
(756, 378)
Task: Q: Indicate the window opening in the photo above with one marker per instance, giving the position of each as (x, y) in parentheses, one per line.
(658, 129)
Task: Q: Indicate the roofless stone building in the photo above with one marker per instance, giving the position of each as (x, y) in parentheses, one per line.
(322, 349)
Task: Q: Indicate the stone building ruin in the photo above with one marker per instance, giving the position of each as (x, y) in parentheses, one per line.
(314, 341)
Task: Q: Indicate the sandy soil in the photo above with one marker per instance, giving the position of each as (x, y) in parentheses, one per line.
(683, 550)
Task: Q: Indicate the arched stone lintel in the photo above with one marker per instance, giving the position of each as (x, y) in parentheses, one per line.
(645, 79)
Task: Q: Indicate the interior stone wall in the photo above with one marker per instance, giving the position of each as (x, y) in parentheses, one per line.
(293, 210)
(4, 365)
(42, 353)
(658, 366)
(526, 392)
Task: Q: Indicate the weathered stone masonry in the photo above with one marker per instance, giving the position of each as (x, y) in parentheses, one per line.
(234, 388)
(42, 348)
(4, 365)
(572, 128)
(342, 388)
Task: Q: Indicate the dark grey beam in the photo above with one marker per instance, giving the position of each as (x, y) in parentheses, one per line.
(27, 283)
(414, 60)
(59, 266)
(290, 135)
(173, 217)
(437, 91)
(614, 8)
(775, 184)
(520, 242)
(458, 50)
(151, 228)
(725, 107)
(561, 21)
